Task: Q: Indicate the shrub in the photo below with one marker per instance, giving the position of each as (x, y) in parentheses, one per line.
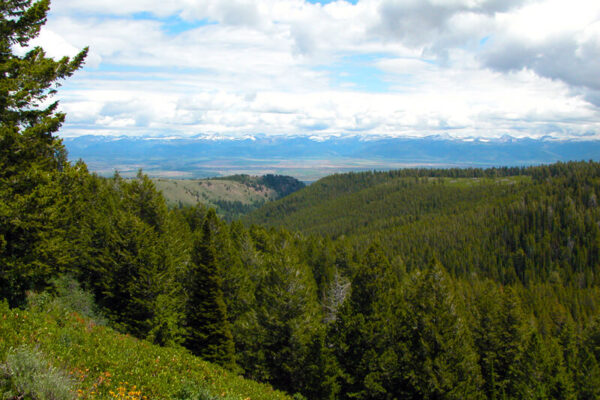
(69, 296)
(106, 365)
(27, 374)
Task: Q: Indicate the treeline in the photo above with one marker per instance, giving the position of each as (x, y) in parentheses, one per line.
(234, 210)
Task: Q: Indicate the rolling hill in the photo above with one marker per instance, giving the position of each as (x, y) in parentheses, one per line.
(508, 224)
(231, 196)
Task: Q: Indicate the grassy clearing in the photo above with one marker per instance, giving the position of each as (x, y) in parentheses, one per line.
(210, 191)
(467, 182)
(102, 364)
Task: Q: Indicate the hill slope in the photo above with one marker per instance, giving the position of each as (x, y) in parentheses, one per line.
(347, 203)
(508, 224)
(102, 364)
(232, 196)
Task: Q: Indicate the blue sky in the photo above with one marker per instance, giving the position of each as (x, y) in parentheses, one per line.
(467, 68)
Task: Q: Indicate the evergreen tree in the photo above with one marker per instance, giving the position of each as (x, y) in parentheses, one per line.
(287, 316)
(588, 371)
(31, 157)
(542, 374)
(209, 333)
(501, 333)
(241, 274)
(358, 333)
(436, 359)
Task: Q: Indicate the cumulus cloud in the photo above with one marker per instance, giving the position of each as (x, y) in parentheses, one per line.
(397, 67)
(557, 40)
(436, 24)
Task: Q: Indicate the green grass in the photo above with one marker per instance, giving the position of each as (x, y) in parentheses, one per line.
(468, 182)
(104, 364)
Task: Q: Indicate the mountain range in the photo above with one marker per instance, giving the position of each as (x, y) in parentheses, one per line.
(310, 158)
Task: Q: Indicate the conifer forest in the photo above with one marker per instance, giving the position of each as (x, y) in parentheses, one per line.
(405, 284)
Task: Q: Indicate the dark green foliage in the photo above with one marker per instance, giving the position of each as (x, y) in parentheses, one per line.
(432, 340)
(233, 210)
(500, 332)
(537, 224)
(543, 373)
(287, 316)
(231, 196)
(280, 306)
(130, 255)
(281, 184)
(30, 80)
(31, 158)
(357, 333)
(587, 372)
(209, 334)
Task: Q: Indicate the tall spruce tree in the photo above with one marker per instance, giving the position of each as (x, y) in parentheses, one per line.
(500, 332)
(287, 315)
(434, 344)
(209, 332)
(357, 334)
(31, 156)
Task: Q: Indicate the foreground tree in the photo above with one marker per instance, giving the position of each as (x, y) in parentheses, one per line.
(28, 122)
(358, 333)
(209, 334)
(31, 157)
(436, 358)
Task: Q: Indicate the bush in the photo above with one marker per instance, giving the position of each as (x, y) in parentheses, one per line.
(191, 392)
(68, 295)
(106, 365)
(27, 374)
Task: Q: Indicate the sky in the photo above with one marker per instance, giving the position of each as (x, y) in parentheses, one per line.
(237, 68)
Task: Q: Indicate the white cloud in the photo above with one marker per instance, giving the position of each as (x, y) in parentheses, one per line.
(555, 39)
(399, 67)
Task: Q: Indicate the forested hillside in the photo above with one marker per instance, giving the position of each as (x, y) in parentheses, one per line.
(231, 196)
(519, 224)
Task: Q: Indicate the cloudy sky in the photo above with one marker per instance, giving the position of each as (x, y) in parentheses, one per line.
(465, 68)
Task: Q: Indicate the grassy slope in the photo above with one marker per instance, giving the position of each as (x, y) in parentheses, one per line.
(232, 196)
(208, 191)
(104, 363)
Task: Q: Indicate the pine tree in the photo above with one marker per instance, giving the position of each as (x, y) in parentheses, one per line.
(209, 332)
(588, 368)
(31, 156)
(287, 313)
(434, 344)
(501, 333)
(26, 83)
(358, 333)
(542, 373)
